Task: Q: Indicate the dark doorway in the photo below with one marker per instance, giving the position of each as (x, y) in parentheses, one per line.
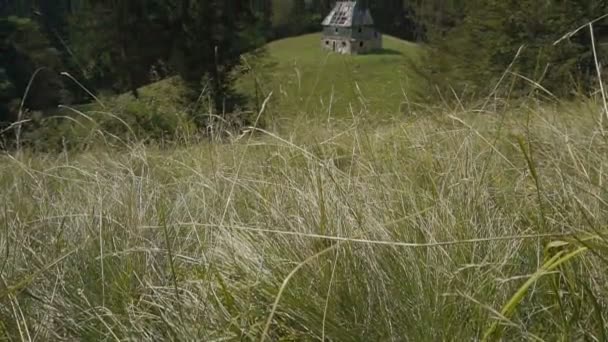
(334, 46)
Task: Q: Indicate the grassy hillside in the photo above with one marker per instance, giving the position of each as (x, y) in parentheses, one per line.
(308, 86)
(448, 227)
(311, 82)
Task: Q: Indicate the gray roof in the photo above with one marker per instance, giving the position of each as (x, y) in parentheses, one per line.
(348, 14)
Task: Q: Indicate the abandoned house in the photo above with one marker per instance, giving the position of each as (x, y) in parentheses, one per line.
(349, 29)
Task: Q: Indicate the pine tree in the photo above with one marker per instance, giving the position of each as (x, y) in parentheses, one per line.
(210, 38)
(120, 40)
(475, 52)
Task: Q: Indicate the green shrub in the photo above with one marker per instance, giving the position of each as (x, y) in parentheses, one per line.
(514, 41)
(145, 121)
(119, 124)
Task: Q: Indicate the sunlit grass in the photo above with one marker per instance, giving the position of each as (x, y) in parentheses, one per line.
(451, 225)
(309, 82)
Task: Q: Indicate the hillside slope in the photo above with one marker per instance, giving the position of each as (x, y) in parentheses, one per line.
(307, 80)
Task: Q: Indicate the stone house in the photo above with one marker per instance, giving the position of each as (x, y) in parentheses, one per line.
(349, 29)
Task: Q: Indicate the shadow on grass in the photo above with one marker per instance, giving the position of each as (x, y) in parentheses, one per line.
(386, 52)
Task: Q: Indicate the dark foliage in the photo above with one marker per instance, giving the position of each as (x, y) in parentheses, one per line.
(474, 49)
(118, 46)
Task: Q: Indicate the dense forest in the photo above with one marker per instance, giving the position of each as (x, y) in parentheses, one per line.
(75, 49)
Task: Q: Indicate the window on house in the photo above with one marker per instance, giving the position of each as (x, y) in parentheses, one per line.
(360, 44)
(360, 30)
(327, 42)
(376, 34)
(336, 29)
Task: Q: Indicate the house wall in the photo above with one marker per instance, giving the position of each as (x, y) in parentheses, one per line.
(357, 40)
(364, 33)
(330, 31)
(337, 44)
(357, 32)
(361, 46)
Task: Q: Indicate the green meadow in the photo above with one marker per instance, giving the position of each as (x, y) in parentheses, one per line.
(309, 82)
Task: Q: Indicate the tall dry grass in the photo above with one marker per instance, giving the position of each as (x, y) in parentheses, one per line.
(458, 225)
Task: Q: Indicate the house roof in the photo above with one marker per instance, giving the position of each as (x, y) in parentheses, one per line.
(348, 14)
